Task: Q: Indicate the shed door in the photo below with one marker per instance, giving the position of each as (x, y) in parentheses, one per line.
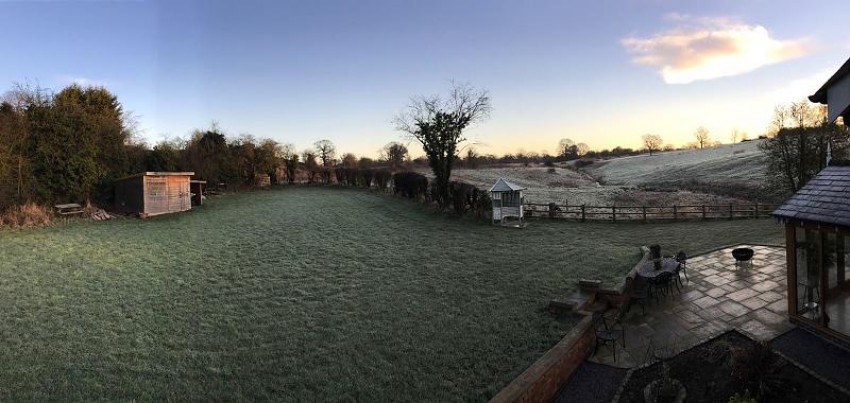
(178, 194)
(156, 197)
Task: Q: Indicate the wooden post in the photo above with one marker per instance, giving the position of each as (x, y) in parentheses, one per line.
(582, 213)
(614, 213)
(703, 211)
(730, 211)
(644, 213)
(675, 213)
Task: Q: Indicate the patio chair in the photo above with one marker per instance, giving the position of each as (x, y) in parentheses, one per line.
(663, 282)
(608, 332)
(682, 258)
(639, 290)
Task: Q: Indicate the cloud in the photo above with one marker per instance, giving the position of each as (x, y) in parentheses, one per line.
(702, 48)
(798, 89)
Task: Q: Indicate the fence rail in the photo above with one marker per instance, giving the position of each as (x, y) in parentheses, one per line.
(647, 213)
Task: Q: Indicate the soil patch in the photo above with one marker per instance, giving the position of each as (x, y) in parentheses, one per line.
(706, 372)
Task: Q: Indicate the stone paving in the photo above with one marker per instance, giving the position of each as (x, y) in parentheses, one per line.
(720, 296)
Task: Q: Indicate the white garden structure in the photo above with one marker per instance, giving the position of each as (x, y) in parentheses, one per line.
(507, 200)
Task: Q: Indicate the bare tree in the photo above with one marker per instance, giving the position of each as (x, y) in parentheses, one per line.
(394, 153)
(703, 139)
(734, 135)
(582, 149)
(326, 151)
(652, 142)
(438, 123)
(565, 147)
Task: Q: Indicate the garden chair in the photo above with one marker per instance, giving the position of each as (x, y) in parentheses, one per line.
(662, 283)
(639, 290)
(608, 332)
(682, 258)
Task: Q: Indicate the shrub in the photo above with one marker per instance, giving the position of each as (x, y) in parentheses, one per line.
(382, 178)
(583, 163)
(756, 367)
(551, 170)
(410, 184)
(27, 215)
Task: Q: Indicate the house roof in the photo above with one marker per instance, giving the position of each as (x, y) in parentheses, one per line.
(820, 95)
(502, 185)
(825, 199)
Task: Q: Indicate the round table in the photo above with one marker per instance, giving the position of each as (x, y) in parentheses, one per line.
(647, 269)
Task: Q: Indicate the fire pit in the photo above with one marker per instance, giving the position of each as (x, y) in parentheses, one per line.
(742, 256)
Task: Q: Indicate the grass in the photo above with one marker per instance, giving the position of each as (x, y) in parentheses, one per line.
(302, 294)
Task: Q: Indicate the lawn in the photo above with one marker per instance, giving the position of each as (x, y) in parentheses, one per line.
(302, 294)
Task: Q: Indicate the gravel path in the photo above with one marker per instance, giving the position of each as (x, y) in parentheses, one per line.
(824, 358)
(591, 383)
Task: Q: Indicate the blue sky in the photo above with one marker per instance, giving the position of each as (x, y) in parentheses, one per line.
(599, 72)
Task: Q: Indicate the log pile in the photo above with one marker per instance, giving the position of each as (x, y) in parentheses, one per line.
(102, 215)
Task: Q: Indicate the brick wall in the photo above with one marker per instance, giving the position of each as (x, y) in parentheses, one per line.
(541, 381)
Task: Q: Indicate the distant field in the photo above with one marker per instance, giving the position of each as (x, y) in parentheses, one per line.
(718, 175)
(302, 294)
(740, 162)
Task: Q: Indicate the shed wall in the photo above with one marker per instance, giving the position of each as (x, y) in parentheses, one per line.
(166, 194)
(129, 195)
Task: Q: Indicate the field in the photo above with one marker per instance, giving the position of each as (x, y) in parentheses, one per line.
(717, 175)
(302, 294)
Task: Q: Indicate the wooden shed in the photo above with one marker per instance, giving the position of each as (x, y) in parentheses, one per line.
(507, 200)
(153, 193)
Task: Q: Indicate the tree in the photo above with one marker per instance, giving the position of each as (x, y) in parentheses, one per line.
(349, 160)
(566, 148)
(438, 125)
(394, 153)
(796, 154)
(652, 142)
(309, 160)
(582, 149)
(703, 139)
(326, 151)
(290, 161)
(735, 135)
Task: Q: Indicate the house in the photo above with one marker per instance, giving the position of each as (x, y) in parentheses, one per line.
(835, 93)
(153, 193)
(817, 233)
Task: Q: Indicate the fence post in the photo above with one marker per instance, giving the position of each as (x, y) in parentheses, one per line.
(582, 213)
(644, 213)
(730, 211)
(675, 213)
(613, 213)
(703, 211)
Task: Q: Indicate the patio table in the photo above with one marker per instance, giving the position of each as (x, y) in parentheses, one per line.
(647, 269)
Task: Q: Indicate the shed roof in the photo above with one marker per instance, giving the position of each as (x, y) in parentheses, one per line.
(502, 185)
(825, 199)
(156, 174)
(820, 95)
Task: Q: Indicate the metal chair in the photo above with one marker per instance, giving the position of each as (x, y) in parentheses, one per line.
(608, 332)
(639, 291)
(682, 258)
(663, 282)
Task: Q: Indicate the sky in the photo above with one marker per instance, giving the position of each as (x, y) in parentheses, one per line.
(599, 72)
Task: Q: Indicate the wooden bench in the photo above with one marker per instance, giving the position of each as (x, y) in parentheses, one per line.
(69, 208)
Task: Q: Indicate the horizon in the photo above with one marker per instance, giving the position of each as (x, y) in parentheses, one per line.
(297, 73)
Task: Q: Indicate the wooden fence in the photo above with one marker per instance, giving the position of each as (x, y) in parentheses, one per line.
(646, 213)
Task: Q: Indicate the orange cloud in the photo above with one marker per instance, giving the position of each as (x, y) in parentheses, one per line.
(709, 48)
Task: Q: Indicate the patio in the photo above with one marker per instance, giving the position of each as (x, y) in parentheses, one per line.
(719, 297)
